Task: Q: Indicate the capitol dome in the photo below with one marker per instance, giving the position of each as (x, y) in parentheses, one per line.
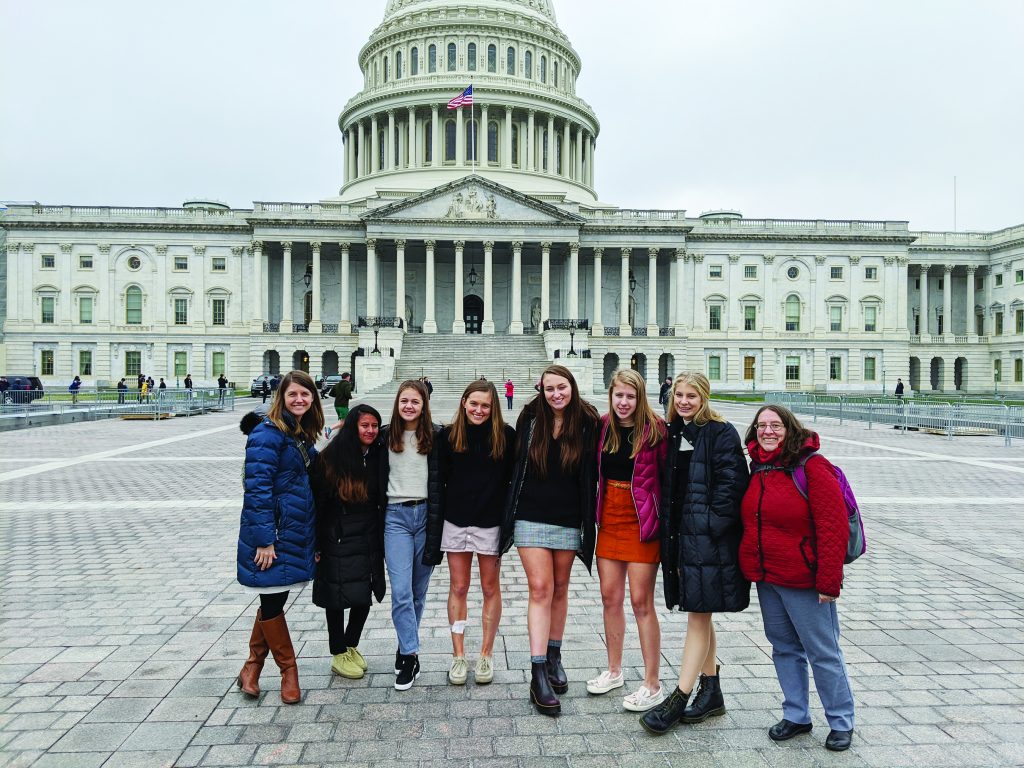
(526, 129)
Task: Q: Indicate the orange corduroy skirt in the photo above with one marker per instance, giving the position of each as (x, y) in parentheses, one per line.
(619, 536)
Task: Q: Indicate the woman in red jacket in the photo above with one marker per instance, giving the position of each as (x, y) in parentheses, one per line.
(793, 548)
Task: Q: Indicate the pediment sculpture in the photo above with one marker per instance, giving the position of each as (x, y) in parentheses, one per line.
(472, 206)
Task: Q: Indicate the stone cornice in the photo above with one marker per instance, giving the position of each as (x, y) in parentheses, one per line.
(119, 226)
(810, 237)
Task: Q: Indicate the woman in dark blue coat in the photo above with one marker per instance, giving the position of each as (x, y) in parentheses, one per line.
(277, 538)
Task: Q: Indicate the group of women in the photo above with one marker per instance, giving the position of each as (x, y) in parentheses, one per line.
(627, 488)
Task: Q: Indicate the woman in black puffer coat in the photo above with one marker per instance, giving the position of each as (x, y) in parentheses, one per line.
(350, 538)
(703, 483)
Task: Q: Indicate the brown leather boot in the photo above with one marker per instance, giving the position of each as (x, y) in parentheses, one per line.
(276, 632)
(249, 677)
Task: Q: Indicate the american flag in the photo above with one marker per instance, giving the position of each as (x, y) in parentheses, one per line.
(466, 97)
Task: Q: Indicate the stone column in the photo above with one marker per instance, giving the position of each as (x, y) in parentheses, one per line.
(345, 321)
(429, 321)
(530, 141)
(364, 156)
(818, 288)
(459, 324)
(506, 158)
(435, 138)
(566, 151)
(389, 142)
(515, 325)
(971, 329)
(347, 137)
(577, 172)
(286, 288)
(374, 145)
(947, 300)
(596, 323)
(400, 279)
(545, 278)
(574, 281)
(652, 292)
(551, 150)
(315, 326)
(413, 148)
(371, 278)
(624, 327)
(483, 137)
(590, 161)
(923, 309)
(488, 324)
(460, 139)
(258, 287)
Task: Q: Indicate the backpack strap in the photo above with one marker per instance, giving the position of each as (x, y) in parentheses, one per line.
(800, 473)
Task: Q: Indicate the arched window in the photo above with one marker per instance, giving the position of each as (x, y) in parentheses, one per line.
(380, 150)
(397, 146)
(398, 65)
(510, 64)
(452, 57)
(428, 141)
(492, 58)
(471, 57)
(387, 61)
(449, 140)
(792, 312)
(432, 58)
(472, 140)
(492, 141)
(543, 69)
(554, 72)
(528, 65)
(376, 72)
(558, 156)
(515, 144)
(133, 305)
(544, 149)
(414, 62)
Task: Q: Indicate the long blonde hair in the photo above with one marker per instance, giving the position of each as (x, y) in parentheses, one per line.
(647, 425)
(460, 422)
(312, 421)
(700, 383)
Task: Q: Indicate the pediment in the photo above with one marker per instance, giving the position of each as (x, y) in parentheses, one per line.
(472, 199)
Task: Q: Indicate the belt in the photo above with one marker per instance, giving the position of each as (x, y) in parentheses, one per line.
(411, 503)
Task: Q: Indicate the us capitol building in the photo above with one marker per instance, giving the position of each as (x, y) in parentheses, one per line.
(481, 227)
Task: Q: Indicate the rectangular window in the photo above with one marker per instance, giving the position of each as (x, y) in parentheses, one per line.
(180, 363)
(133, 307)
(750, 318)
(715, 368)
(218, 363)
(46, 362)
(869, 369)
(979, 283)
(1018, 276)
(750, 272)
(132, 363)
(1020, 321)
(85, 310)
(999, 281)
(999, 324)
(714, 318)
(85, 261)
(85, 362)
(181, 311)
(48, 303)
(835, 318)
(749, 367)
(49, 261)
(218, 311)
(1018, 370)
(997, 370)
(793, 368)
(219, 264)
(870, 273)
(870, 319)
(180, 263)
(835, 369)
(938, 329)
(835, 273)
(715, 272)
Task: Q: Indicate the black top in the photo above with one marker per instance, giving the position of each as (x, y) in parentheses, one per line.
(680, 479)
(553, 499)
(475, 485)
(619, 465)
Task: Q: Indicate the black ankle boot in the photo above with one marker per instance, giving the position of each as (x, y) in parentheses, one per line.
(707, 702)
(556, 674)
(541, 695)
(661, 719)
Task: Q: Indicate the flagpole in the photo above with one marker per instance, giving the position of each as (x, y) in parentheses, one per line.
(472, 127)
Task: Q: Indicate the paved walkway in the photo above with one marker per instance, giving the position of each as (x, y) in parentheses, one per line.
(122, 627)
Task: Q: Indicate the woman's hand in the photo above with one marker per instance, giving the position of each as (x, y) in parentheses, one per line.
(265, 557)
(826, 598)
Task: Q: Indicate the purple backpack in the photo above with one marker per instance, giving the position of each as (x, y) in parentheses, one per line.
(856, 546)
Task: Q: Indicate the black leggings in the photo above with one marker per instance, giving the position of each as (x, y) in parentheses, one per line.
(272, 606)
(340, 637)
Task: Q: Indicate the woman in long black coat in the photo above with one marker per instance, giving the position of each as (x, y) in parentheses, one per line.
(350, 539)
(703, 483)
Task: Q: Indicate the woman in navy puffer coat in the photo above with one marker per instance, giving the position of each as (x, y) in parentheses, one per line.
(277, 536)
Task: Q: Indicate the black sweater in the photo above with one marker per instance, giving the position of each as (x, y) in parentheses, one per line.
(475, 485)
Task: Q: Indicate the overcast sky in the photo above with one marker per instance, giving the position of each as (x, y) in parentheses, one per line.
(780, 108)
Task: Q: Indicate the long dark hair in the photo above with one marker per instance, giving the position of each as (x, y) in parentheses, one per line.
(578, 414)
(341, 462)
(796, 433)
(424, 427)
(460, 423)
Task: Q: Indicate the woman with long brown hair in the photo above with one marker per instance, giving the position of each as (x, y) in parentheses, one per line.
(277, 539)
(476, 454)
(550, 515)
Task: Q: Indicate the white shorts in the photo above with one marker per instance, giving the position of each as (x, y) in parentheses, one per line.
(483, 541)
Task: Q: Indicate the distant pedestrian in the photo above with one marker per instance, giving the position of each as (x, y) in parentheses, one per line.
(222, 386)
(343, 395)
(899, 388)
(265, 388)
(663, 395)
(429, 386)
(73, 387)
(163, 384)
(5, 385)
(510, 390)
(141, 381)
(144, 392)
(122, 391)
(275, 382)
(188, 385)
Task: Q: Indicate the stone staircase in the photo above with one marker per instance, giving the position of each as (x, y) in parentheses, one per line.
(452, 361)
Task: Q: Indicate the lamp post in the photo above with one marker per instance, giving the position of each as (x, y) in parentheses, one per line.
(376, 349)
(572, 340)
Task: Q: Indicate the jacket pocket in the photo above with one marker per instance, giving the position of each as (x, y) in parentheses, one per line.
(808, 554)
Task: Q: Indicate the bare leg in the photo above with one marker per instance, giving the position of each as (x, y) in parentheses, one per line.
(612, 574)
(641, 594)
(560, 594)
(490, 584)
(459, 567)
(698, 647)
(539, 566)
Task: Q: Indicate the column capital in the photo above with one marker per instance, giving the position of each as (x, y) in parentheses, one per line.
(734, 258)
(517, 245)
(199, 250)
(161, 250)
(971, 268)
(653, 252)
(434, 109)
(680, 254)
(488, 244)
(430, 243)
(256, 245)
(509, 108)
(315, 245)
(286, 245)
(947, 268)
(391, 113)
(12, 248)
(598, 252)
(65, 248)
(925, 268)
(626, 252)
(769, 258)
(103, 248)
(855, 260)
(531, 112)
(903, 258)
(399, 243)
(460, 244)
(574, 248)
(819, 260)
(890, 260)
(371, 242)
(344, 245)
(546, 245)
(698, 258)
(237, 250)
(29, 247)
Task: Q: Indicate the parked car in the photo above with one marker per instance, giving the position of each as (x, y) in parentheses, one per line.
(328, 386)
(21, 388)
(256, 388)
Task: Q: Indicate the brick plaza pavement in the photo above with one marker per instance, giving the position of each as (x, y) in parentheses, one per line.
(122, 629)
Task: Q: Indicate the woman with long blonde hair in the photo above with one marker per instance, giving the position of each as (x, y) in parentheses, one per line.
(703, 484)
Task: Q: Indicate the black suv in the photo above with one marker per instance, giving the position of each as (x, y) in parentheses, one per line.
(327, 386)
(21, 388)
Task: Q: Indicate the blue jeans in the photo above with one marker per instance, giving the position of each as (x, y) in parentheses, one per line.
(405, 536)
(802, 630)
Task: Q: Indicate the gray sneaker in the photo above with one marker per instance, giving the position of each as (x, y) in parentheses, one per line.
(459, 671)
(484, 672)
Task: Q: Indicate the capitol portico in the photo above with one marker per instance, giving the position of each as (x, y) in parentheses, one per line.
(485, 220)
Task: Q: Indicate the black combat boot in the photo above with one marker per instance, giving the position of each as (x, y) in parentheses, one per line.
(707, 702)
(661, 719)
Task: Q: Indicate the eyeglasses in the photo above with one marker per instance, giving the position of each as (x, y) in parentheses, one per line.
(776, 428)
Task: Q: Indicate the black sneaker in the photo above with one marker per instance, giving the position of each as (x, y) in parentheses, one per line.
(398, 662)
(410, 670)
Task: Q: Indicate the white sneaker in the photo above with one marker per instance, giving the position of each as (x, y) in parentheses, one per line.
(643, 698)
(604, 682)
(458, 671)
